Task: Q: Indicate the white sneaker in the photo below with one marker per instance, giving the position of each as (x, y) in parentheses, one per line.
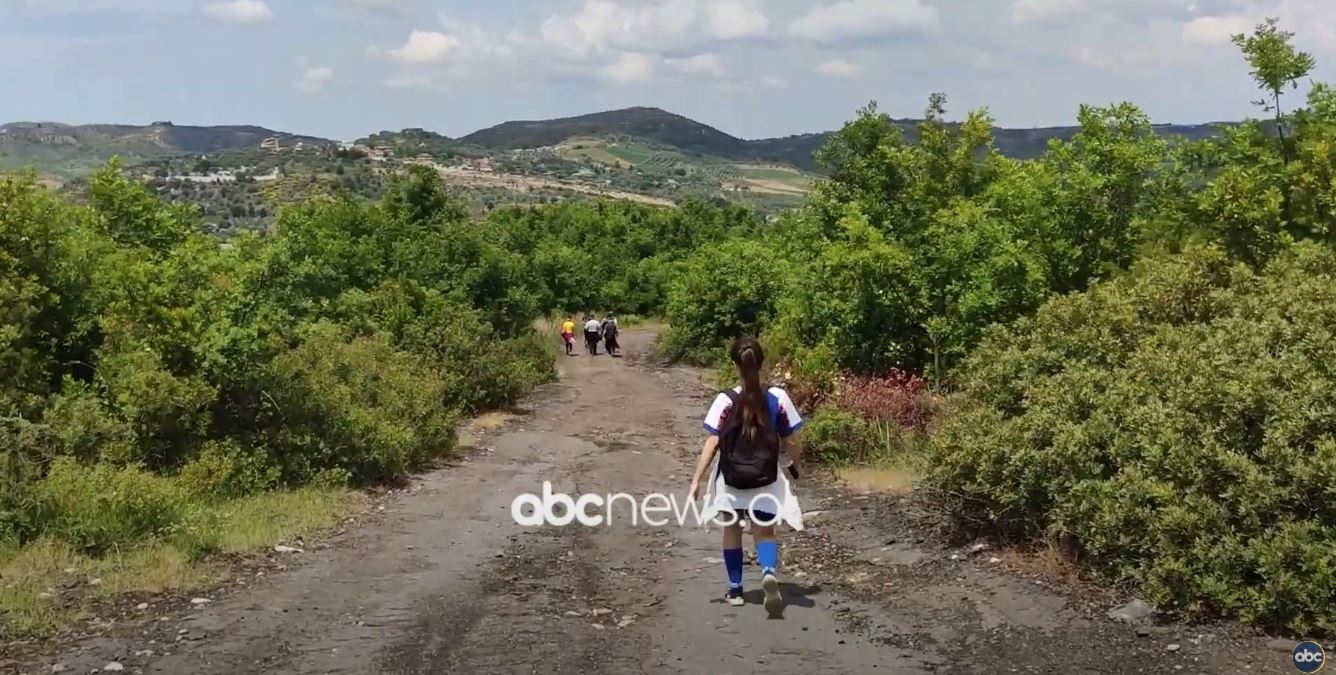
(774, 602)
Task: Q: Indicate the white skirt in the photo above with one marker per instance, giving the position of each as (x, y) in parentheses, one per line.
(776, 498)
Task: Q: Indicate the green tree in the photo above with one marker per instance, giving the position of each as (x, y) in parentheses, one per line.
(1276, 65)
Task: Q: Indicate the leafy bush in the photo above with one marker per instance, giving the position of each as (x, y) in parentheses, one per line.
(1176, 426)
(833, 436)
(96, 508)
(223, 469)
(898, 398)
(723, 291)
(357, 404)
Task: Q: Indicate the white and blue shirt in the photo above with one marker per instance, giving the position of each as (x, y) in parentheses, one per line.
(785, 415)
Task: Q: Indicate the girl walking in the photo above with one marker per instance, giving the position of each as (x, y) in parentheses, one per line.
(752, 438)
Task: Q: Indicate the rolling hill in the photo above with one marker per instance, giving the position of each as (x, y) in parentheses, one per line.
(65, 149)
(684, 134)
(650, 124)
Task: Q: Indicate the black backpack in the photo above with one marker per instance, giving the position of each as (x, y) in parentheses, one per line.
(747, 464)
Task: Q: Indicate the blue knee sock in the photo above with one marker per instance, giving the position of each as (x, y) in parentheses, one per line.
(767, 556)
(733, 565)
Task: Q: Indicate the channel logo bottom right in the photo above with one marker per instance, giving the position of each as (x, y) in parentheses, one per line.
(1309, 657)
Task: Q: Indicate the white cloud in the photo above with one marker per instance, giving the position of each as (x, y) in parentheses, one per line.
(415, 80)
(629, 68)
(851, 20)
(426, 47)
(1215, 30)
(314, 80)
(669, 27)
(372, 5)
(1046, 11)
(701, 64)
(839, 68)
(240, 11)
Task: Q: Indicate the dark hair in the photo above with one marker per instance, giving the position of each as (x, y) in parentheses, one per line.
(747, 355)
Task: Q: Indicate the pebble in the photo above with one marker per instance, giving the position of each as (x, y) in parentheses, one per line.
(113, 667)
(57, 667)
(601, 611)
(598, 626)
(200, 601)
(994, 560)
(286, 549)
(1174, 647)
(142, 606)
(144, 652)
(95, 582)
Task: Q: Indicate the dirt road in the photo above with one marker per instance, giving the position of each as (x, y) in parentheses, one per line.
(447, 582)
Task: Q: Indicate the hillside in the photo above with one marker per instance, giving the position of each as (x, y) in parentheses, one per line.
(667, 129)
(649, 124)
(70, 150)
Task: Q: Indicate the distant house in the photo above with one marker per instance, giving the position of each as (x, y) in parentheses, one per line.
(271, 144)
(425, 157)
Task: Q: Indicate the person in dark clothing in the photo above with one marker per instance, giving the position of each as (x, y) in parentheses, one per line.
(609, 329)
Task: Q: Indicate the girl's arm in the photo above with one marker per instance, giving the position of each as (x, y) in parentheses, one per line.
(703, 464)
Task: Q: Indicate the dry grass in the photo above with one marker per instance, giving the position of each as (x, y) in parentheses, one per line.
(476, 428)
(263, 520)
(33, 579)
(891, 479)
(1048, 561)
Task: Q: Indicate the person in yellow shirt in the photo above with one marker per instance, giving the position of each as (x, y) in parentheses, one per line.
(568, 335)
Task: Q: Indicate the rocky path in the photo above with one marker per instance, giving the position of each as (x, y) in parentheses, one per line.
(446, 581)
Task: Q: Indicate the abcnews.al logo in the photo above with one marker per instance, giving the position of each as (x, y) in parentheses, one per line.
(1309, 657)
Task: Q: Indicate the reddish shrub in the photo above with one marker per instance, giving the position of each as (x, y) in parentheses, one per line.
(897, 397)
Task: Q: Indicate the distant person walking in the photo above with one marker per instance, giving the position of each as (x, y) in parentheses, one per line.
(591, 329)
(609, 328)
(752, 439)
(568, 335)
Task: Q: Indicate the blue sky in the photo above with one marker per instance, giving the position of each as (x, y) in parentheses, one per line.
(753, 68)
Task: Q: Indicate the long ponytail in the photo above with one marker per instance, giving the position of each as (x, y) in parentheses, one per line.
(748, 357)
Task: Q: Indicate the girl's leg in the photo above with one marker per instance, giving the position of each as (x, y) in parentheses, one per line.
(733, 562)
(767, 558)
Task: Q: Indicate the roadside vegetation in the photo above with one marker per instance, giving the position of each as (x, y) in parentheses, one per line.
(165, 398)
(1119, 347)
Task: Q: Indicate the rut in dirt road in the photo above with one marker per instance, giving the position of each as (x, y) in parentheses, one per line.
(449, 583)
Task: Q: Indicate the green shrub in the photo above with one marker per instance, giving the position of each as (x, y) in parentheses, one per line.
(836, 437)
(224, 469)
(723, 291)
(99, 507)
(1176, 425)
(81, 426)
(356, 404)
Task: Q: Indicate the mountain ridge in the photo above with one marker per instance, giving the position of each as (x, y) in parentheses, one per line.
(82, 146)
